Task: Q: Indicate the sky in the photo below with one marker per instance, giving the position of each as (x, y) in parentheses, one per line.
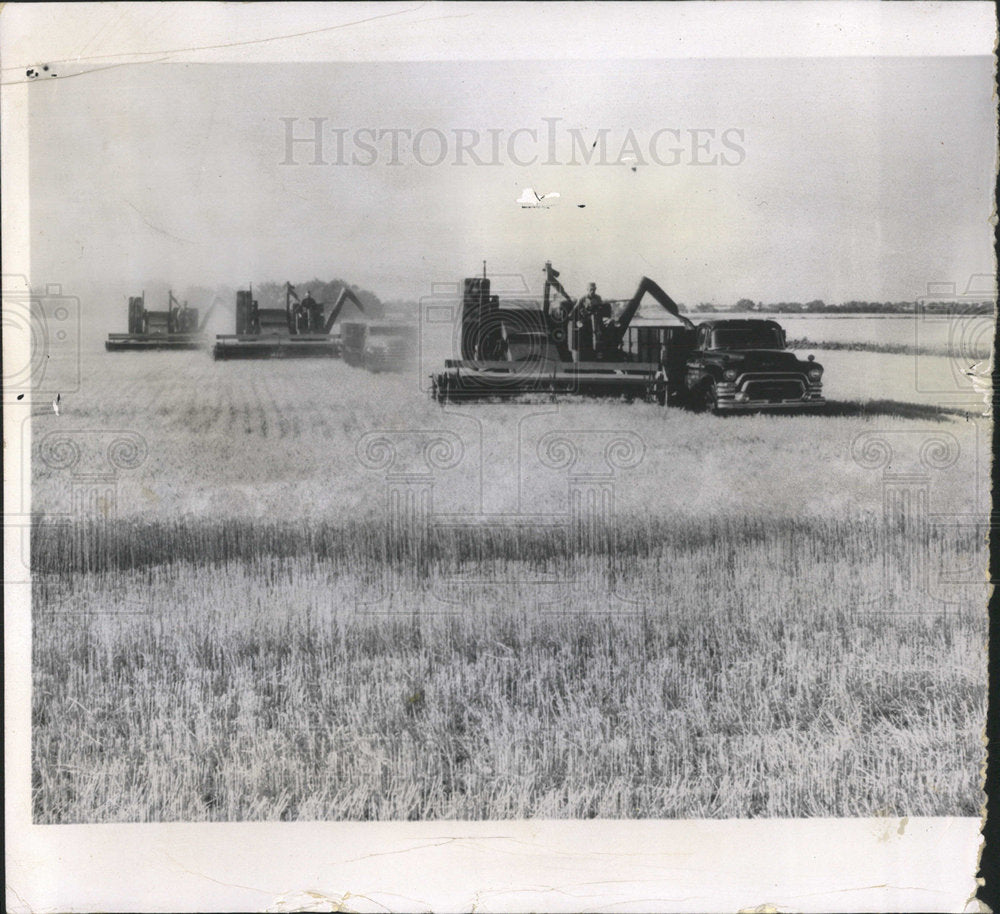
(771, 179)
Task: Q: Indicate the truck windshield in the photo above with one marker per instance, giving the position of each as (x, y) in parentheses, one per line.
(761, 337)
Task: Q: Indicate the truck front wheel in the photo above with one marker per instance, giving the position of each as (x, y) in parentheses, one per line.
(706, 398)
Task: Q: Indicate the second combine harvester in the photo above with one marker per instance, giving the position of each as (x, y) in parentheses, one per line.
(295, 331)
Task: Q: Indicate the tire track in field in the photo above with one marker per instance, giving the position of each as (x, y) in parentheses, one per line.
(258, 408)
(211, 411)
(154, 386)
(326, 382)
(281, 412)
(229, 411)
(327, 410)
(245, 409)
(317, 419)
(310, 421)
(192, 419)
(163, 382)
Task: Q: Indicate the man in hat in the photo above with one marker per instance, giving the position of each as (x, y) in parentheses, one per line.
(313, 312)
(589, 319)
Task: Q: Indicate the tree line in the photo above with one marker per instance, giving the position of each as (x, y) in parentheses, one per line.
(818, 306)
(272, 295)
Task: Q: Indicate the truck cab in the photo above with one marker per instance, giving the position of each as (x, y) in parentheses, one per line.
(744, 365)
(381, 345)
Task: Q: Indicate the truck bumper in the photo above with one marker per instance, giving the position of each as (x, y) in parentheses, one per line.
(730, 399)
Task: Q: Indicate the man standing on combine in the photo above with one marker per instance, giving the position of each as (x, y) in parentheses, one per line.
(589, 319)
(173, 313)
(313, 313)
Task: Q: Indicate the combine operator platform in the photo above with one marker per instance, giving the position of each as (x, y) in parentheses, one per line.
(176, 328)
(562, 348)
(298, 330)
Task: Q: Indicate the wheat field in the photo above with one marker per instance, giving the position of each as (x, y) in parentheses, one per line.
(245, 635)
(723, 684)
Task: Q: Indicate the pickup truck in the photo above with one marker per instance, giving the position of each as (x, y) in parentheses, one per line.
(745, 365)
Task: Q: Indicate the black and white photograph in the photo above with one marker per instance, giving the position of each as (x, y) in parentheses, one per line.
(495, 456)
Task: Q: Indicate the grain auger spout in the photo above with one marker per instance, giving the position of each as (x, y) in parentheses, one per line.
(346, 294)
(615, 332)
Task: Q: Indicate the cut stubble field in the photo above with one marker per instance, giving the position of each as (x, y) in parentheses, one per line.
(248, 635)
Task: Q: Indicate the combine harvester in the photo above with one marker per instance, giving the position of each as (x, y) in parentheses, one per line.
(176, 328)
(507, 352)
(567, 348)
(296, 331)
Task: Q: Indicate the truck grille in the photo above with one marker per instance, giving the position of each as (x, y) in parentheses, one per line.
(775, 390)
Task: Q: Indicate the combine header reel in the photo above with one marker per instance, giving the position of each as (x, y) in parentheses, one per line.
(297, 330)
(566, 347)
(176, 328)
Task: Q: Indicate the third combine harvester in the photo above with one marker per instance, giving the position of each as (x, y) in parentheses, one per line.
(717, 365)
(176, 328)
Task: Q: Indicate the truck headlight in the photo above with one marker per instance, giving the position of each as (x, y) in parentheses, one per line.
(815, 374)
(729, 374)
